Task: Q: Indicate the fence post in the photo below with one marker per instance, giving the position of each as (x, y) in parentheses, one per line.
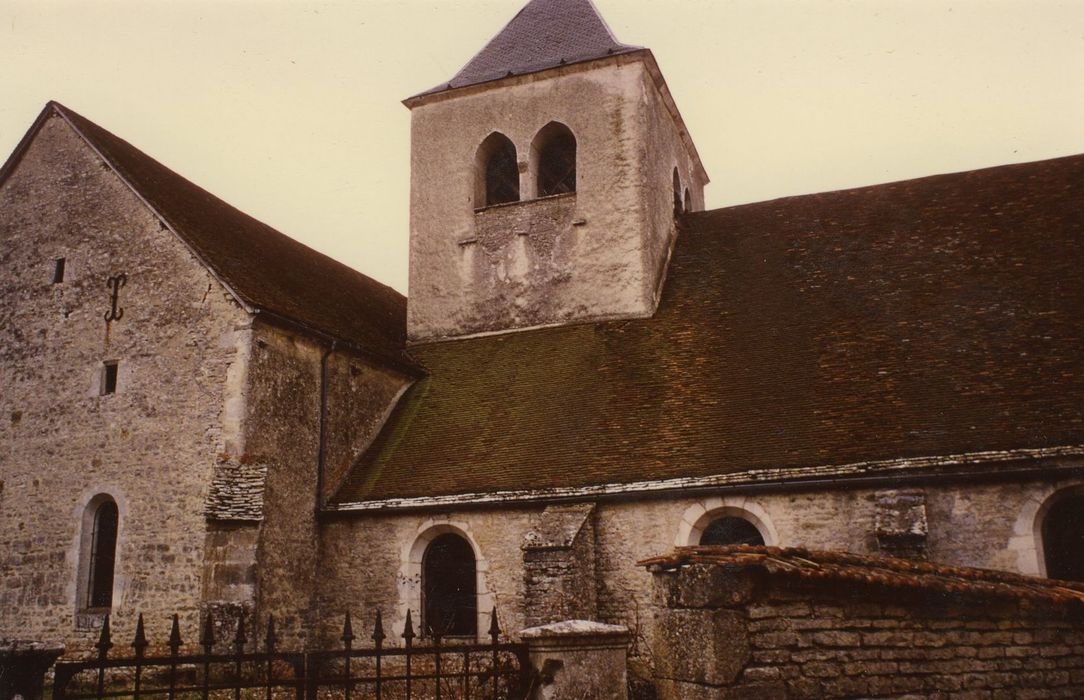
(23, 666)
(578, 658)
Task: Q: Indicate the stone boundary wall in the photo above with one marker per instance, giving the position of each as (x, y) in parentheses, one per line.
(729, 633)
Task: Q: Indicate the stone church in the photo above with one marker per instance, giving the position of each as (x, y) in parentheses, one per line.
(200, 414)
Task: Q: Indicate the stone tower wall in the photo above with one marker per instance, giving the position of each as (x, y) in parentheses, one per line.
(593, 255)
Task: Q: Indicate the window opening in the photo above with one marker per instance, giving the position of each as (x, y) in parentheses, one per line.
(109, 378)
(58, 271)
(688, 200)
(555, 149)
(449, 588)
(731, 530)
(677, 193)
(500, 171)
(103, 551)
(1063, 539)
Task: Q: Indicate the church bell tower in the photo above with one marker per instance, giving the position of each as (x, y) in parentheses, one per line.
(545, 181)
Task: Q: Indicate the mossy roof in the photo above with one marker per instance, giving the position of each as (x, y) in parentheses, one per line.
(943, 315)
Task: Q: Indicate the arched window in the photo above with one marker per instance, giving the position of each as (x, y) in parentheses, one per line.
(677, 193)
(688, 200)
(554, 151)
(103, 553)
(731, 530)
(498, 172)
(1063, 539)
(449, 588)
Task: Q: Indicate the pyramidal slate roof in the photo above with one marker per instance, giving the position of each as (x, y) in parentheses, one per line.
(923, 323)
(544, 34)
(266, 270)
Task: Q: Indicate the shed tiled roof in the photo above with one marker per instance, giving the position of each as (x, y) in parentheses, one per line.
(879, 571)
(268, 270)
(544, 34)
(943, 315)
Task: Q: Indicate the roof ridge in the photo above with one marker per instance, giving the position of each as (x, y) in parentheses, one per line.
(858, 189)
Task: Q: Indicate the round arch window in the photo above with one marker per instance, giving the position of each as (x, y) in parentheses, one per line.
(731, 530)
(1063, 539)
(554, 151)
(449, 588)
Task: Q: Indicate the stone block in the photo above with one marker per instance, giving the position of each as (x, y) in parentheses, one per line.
(579, 659)
(708, 647)
(706, 586)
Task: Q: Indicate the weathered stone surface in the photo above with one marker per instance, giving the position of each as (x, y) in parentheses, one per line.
(236, 490)
(710, 647)
(559, 565)
(815, 639)
(901, 524)
(578, 659)
(181, 347)
(704, 586)
(597, 254)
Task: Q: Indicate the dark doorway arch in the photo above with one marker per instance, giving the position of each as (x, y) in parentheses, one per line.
(449, 588)
(554, 150)
(1063, 539)
(103, 555)
(498, 172)
(731, 530)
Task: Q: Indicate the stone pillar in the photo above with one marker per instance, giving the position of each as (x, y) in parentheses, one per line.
(579, 660)
(23, 666)
(559, 565)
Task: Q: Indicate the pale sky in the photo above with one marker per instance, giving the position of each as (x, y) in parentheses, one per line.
(291, 110)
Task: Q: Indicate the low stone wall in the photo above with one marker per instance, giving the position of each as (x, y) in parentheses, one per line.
(731, 630)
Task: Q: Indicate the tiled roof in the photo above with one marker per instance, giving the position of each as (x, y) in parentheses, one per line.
(943, 315)
(268, 270)
(544, 34)
(884, 572)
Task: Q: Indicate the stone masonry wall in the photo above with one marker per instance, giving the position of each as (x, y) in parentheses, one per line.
(283, 432)
(605, 266)
(364, 557)
(559, 566)
(152, 446)
(728, 635)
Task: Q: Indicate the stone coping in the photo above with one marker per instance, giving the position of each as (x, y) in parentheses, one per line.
(574, 628)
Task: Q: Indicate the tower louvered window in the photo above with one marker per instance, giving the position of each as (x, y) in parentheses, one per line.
(500, 171)
(555, 153)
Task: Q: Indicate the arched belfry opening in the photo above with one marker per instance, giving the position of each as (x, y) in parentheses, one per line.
(449, 587)
(497, 169)
(729, 529)
(1063, 538)
(554, 154)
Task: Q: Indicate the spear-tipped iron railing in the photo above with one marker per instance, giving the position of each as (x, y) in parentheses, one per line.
(428, 666)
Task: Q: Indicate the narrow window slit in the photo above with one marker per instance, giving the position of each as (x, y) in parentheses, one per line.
(58, 271)
(109, 378)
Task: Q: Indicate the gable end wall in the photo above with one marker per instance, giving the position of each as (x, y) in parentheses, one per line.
(153, 444)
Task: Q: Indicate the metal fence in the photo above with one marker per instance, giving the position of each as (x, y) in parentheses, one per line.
(437, 669)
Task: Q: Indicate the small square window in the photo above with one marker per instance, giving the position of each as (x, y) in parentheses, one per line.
(58, 271)
(109, 378)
